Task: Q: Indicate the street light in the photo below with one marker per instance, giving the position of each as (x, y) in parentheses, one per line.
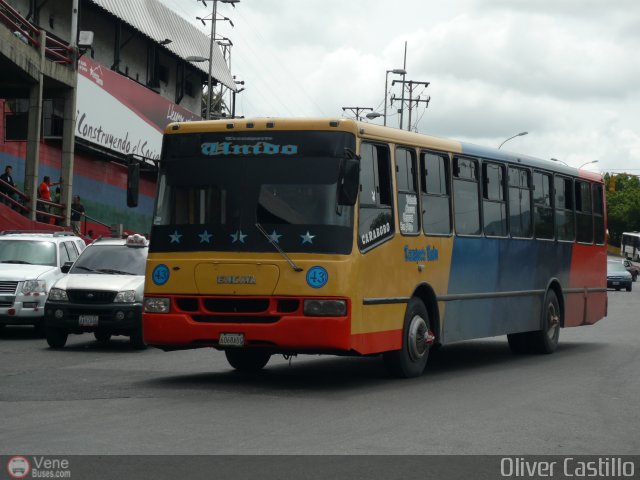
(516, 135)
(587, 163)
(372, 115)
(395, 71)
(214, 17)
(556, 160)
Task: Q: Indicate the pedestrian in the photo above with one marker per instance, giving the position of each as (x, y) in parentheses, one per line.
(77, 211)
(7, 179)
(45, 194)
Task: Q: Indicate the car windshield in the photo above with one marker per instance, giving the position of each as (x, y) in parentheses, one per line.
(111, 260)
(615, 267)
(28, 252)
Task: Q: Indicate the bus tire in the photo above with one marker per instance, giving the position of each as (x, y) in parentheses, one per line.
(417, 337)
(545, 341)
(247, 360)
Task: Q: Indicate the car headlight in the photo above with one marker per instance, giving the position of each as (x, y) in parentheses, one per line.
(156, 305)
(128, 296)
(34, 286)
(58, 295)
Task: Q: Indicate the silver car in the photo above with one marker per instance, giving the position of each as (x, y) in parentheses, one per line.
(102, 293)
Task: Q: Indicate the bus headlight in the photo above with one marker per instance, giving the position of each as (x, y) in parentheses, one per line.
(128, 296)
(325, 308)
(156, 305)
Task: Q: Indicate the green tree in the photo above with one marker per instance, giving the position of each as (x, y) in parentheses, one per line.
(623, 206)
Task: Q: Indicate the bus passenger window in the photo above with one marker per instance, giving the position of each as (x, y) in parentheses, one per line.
(584, 219)
(407, 191)
(434, 189)
(520, 202)
(542, 206)
(598, 213)
(375, 219)
(494, 205)
(564, 208)
(465, 196)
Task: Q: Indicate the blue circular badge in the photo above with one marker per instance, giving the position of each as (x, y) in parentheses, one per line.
(317, 277)
(160, 274)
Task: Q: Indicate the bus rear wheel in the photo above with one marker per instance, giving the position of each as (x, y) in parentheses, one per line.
(417, 338)
(247, 360)
(546, 339)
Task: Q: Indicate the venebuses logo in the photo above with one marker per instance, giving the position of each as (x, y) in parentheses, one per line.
(18, 467)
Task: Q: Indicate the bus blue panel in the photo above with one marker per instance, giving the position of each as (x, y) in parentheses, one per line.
(484, 266)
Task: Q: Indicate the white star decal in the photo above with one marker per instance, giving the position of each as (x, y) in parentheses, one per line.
(275, 237)
(238, 236)
(205, 237)
(175, 237)
(307, 238)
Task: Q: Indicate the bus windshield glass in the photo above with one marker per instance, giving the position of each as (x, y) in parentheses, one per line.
(214, 188)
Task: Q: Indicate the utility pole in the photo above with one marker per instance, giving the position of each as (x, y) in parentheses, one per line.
(356, 110)
(411, 86)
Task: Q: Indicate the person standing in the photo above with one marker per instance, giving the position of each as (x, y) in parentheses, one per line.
(77, 211)
(7, 179)
(45, 194)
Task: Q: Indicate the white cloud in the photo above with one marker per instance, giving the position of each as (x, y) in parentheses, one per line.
(563, 71)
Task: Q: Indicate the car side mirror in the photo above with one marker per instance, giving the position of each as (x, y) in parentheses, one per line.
(66, 267)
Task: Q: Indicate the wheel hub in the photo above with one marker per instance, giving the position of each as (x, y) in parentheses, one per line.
(420, 338)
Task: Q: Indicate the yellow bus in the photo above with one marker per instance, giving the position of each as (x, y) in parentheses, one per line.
(295, 236)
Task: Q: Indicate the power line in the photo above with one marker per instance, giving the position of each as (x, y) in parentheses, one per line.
(412, 84)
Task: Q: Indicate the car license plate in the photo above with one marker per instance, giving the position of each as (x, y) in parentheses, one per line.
(231, 339)
(615, 283)
(88, 320)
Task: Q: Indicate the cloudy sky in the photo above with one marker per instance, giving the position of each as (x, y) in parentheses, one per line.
(565, 71)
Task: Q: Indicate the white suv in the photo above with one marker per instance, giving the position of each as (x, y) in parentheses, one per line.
(30, 263)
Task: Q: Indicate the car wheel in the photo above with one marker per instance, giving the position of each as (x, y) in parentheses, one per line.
(629, 288)
(247, 360)
(417, 338)
(56, 337)
(101, 336)
(137, 340)
(634, 277)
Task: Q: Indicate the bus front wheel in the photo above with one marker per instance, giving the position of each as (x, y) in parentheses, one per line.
(247, 360)
(417, 338)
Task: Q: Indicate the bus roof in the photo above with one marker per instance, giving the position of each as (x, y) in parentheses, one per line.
(374, 132)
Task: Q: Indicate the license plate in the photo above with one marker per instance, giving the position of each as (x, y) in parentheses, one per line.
(231, 339)
(615, 283)
(88, 320)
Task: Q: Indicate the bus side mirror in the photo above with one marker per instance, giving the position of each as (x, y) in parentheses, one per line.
(133, 184)
(349, 182)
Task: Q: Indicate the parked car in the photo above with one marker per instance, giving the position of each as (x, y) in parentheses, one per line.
(101, 294)
(617, 276)
(30, 263)
(632, 268)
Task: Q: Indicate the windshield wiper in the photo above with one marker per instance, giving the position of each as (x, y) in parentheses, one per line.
(20, 262)
(291, 263)
(82, 267)
(113, 272)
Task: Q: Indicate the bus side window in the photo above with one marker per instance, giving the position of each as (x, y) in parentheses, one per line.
(494, 205)
(584, 218)
(520, 218)
(542, 205)
(406, 169)
(375, 219)
(564, 208)
(465, 196)
(434, 189)
(598, 213)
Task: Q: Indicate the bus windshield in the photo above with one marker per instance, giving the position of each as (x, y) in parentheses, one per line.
(222, 185)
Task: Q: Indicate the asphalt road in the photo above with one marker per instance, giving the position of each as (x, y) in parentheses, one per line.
(475, 398)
